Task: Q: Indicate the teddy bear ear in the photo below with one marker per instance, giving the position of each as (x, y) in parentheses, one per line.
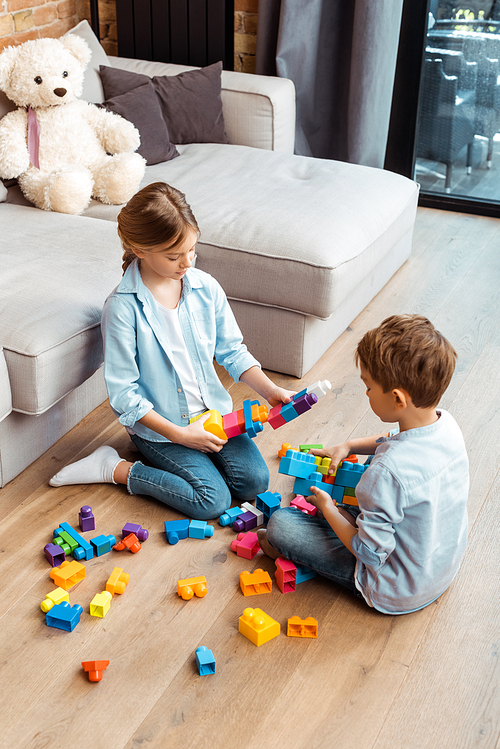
(7, 62)
(78, 48)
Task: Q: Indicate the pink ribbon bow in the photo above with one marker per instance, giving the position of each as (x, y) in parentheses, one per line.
(33, 137)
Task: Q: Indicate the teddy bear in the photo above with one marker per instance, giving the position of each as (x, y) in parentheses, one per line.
(63, 150)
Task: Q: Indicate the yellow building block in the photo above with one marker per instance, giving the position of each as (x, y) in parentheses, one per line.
(68, 574)
(117, 581)
(213, 424)
(99, 605)
(191, 586)
(298, 627)
(54, 597)
(257, 626)
(254, 583)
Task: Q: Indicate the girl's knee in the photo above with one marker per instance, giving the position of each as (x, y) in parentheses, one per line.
(211, 505)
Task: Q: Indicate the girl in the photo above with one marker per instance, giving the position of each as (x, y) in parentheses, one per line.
(162, 327)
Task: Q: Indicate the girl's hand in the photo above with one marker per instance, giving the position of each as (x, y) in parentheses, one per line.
(337, 453)
(280, 395)
(196, 437)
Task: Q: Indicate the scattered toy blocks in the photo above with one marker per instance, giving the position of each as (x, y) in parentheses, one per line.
(95, 669)
(257, 626)
(53, 598)
(68, 574)
(200, 529)
(228, 517)
(297, 627)
(303, 574)
(102, 544)
(99, 605)
(130, 542)
(245, 522)
(65, 541)
(54, 554)
(246, 545)
(117, 581)
(86, 519)
(192, 586)
(176, 529)
(267, 503)
(63, 616)
(301, 504)
(84, 549)
(286, 575)
(255, 583)
(141, 533)
(205, 661)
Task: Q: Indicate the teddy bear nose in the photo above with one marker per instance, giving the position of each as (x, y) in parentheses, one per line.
(60, 91)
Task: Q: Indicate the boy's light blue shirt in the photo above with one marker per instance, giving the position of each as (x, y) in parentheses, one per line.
(137, 365)
(412, 528)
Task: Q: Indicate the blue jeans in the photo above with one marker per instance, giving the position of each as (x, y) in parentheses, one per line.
(198, 484)
(310, 541)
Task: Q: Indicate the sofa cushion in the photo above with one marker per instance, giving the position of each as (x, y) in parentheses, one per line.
(92, 86)
(190, 101)
(51, 314)
(283, 230)
(141, 107)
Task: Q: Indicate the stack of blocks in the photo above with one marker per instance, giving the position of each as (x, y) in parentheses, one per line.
(309, 470)
(250, 518)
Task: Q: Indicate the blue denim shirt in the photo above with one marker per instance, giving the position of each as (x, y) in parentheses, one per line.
(412, 528)
(137, 362)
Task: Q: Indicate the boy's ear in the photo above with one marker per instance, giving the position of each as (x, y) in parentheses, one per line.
(401, 398)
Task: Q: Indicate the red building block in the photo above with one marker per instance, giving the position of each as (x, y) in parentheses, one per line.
(246, 545)
(95, 669)
(286, 575)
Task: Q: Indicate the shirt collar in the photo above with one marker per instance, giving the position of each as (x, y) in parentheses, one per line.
(132, 282)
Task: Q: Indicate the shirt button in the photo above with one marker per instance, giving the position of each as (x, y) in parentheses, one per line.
(179, 390)
(184, 416)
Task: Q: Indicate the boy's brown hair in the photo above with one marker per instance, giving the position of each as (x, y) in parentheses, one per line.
(407, 352)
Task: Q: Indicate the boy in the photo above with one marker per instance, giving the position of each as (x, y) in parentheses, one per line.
(402, 548)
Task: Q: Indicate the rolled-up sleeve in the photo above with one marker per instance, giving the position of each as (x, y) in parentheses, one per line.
(381, 501)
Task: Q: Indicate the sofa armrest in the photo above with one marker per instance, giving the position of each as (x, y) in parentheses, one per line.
(258, 110)
(5, 391)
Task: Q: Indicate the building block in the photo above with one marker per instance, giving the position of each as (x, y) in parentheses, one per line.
(303, 486)
(306, 448)
(288, 412)
(84, 549)
(205, 661)
(176, 529)
(200, 529)
(252, 508)
(53, 598)
(117, 581)
(234, 423)
(228, 517)
(297, 627)
(54, 554)
(102, 544)
(246, 545)
(95, 669)
(268, 502)
(255, 583)
(141, 533)
(257, 626)
(348, 499)
(245, 522)
(304, 403)
(68, 574)
(324, 466)
(86, 519)
(303, 574)
(306, 507)
(252, 427)
(63, 616)
(65, 541)
(286, 575)
(320, 388)
(349, 474)
(297, 464)
(99, 605)
(213, 424)
(284, 447)
(275, 419)
(130, 542)
(192, 586)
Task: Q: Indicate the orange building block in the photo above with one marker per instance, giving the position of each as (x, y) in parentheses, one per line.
(284, 447)
(254, 583)
(302, 627)
(68, 574)
(257, 626)
(94, 669)
(192, 586)
(130, 542)
(117, 581)
(213, 424)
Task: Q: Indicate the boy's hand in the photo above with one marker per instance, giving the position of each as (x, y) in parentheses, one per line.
(280, 395)
(337, 453)
(321, 500)
(196, 437)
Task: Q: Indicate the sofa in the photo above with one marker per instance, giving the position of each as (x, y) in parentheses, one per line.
(300, 245)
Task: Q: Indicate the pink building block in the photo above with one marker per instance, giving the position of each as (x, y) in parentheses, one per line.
(275, 419)
(232, 424)
(286, 575)
(246, 545)
(301, 504)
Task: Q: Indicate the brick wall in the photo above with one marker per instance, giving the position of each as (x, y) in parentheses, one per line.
(21, 20)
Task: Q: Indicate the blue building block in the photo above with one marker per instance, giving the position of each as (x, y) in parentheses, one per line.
(303, 487)
(84, 549)
(228, 517)
(205, 661)
(268, 502)
(303, 574)
(200, 529)
(349, 474)
(63, 616)
(176, 529)
(299, 394)
(252, 428)
(102, 544)
(288, 412)
(299, 465)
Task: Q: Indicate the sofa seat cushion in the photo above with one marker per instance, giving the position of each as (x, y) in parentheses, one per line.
(283, 230)
(56, 275)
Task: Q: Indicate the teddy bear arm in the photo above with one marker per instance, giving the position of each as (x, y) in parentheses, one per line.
(116, 134)
(14, 156)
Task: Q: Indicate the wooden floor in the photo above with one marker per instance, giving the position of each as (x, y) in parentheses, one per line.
(370, 681)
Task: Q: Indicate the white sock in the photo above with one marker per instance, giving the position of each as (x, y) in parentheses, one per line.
(97, 468)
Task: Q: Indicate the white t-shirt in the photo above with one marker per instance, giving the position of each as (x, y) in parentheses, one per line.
(181, 360)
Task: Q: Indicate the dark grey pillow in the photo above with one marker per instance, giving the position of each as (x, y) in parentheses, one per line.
(190, 102)
(140, 106)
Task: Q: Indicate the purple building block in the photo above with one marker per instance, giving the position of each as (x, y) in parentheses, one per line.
(305, 403)
(86, 519)
(54, 554)
(245, 522)
(141, 533)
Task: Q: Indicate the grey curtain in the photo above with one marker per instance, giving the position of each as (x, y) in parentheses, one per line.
(341, 56)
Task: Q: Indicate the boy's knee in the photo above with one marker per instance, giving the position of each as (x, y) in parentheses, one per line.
(278, 524)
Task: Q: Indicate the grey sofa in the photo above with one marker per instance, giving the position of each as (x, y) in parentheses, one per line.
(300, 246)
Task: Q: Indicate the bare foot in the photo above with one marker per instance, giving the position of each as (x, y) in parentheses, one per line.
(266, 547)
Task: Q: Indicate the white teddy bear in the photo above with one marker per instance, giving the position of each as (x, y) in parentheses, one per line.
(59, 147)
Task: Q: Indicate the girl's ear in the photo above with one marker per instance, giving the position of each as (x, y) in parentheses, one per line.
(401, 398)
(138, 253)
